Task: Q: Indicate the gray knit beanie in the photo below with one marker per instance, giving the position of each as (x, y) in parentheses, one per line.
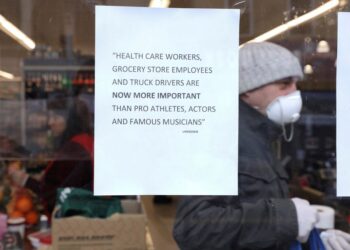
(263, 63)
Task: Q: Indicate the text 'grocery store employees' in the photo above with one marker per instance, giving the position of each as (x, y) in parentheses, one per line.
(262, 216)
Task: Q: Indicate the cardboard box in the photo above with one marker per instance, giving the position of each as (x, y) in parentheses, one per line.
(119, 232)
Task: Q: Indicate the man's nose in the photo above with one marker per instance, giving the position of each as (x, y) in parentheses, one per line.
(294, 86)
(291, 87)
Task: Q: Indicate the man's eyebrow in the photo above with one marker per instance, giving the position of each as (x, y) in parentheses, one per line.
(287, 80)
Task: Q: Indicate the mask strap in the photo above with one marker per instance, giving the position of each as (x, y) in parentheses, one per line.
(288, 139)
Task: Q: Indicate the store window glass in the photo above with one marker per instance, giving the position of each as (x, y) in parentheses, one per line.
(47, 121)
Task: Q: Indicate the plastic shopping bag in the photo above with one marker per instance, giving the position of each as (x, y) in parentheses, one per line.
(314, 242)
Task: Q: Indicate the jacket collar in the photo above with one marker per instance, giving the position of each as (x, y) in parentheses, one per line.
(256, 121)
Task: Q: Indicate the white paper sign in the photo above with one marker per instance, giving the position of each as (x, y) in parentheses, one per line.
(166, 101)
(343, 105)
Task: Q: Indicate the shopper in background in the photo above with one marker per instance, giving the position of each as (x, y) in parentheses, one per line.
(72, 165)
(262, 216)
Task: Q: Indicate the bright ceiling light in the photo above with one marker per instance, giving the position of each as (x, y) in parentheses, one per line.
(16, 34)
(159, 3)
(297, 21)
(323, 47)
(308, 70)
(6, 75)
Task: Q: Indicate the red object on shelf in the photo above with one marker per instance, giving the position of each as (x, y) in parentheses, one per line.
(40, 238)
(304, 181)
(348, 219)
(47, 240)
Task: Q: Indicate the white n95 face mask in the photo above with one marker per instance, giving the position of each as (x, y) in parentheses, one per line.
(284, 110)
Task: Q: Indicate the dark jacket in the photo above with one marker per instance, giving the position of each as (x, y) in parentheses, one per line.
(72, 167)
(261, 216)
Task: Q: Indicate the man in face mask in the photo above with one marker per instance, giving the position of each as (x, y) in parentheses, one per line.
(269, 103)
(268, 77)
(262, 216)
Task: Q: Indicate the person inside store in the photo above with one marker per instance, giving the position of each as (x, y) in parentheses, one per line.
(72, 165)
(262, 216)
